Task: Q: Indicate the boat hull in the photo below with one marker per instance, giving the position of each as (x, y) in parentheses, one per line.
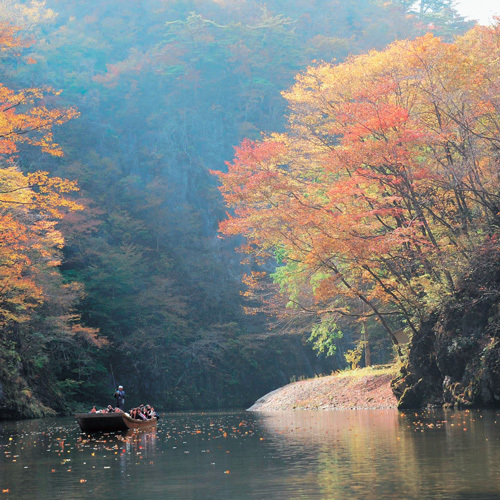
(111, 422)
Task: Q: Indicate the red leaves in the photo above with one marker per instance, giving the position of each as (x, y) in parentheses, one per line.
(383, 182)
(371, 119)
(254, 174)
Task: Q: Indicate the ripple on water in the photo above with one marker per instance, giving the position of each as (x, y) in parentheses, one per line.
(301, 454)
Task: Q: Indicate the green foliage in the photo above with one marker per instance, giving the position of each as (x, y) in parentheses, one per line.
(283, 277)
(435, 15)
(325, 334)
(280, 254)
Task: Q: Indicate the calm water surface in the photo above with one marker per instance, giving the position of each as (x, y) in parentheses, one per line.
(281, 455)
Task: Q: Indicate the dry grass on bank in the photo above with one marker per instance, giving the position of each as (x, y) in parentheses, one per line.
(369, 371)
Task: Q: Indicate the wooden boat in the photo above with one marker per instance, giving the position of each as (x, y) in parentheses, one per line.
(111, 422)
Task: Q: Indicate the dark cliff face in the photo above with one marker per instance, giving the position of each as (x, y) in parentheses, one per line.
(455, 358)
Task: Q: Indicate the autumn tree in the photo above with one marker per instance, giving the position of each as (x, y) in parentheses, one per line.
(40, 332)
(30, 204)
(385, 183)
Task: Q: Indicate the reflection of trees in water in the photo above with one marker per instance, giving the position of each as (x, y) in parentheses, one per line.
(456, 451)
(354, 451)
(384, 454)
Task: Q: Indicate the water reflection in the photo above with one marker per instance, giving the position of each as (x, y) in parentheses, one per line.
(350, 450)
(280, 455)
(383, 454)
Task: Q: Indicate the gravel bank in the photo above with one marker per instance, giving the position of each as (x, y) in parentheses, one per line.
(364, 388)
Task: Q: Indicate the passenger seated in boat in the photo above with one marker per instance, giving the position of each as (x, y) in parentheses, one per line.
(110, 409)
(140, 413)
(93, 410)
(154, 414)
(136, 413)
(143, 412)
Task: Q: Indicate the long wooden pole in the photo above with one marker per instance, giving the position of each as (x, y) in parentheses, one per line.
(113, 375)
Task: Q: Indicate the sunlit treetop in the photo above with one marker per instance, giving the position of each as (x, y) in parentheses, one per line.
(25, 115)
(385, 182)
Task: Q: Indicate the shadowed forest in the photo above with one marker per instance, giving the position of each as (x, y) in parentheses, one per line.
(114, 116)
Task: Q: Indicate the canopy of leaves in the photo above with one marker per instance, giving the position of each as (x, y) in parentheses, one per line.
(385, 184)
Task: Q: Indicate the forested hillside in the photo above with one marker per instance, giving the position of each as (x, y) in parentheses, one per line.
(113, 113)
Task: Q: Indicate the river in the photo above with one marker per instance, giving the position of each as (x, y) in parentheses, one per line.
(366, 454)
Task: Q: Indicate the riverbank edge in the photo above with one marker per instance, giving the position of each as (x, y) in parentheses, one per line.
(364, 388)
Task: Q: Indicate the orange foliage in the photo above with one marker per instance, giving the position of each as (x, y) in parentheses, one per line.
(31, 204)
(386, 181)
(24, 116)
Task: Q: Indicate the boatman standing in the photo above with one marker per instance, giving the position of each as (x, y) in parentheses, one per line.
(120, 398)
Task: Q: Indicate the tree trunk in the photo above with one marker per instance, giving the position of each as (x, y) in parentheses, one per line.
(368, 354)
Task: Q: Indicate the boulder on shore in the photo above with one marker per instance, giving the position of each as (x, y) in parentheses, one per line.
(454, 359)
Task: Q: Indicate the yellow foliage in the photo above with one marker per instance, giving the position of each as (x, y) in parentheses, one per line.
(354, 356)
(387, 179)
(31, 204)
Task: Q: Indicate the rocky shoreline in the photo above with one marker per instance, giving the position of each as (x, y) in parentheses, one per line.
(368, 388)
